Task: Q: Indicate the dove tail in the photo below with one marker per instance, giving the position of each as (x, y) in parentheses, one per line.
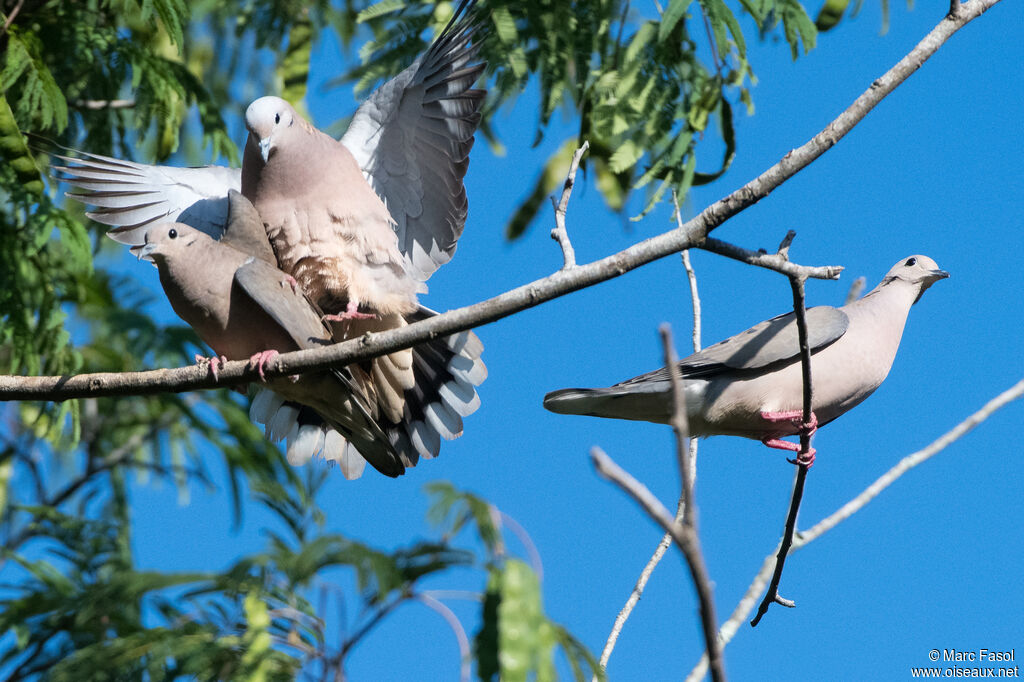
(639, 403)
(447, 371)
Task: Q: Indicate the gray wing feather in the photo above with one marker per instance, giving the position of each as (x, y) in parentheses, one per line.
(772, 341)
(294, 313)
(130, 196)
(412, 139)
(265, 284)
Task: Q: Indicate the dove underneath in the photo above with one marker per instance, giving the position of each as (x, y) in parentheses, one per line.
(751, 384)
(245, 308)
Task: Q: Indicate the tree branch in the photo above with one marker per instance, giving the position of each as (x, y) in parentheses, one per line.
(666, 540)
(457, 629)
(746, 603)
(560, 234)
(685, 538)
(803, 459)
(692, 233)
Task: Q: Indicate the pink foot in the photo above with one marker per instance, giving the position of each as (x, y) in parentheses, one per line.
(351, 313)
(292, 282)
(214, 362)
(260, 360)
(796, 418)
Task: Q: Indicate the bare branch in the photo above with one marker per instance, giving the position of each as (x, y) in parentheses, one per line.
(771, 261)
(679, 423)
(98, 104)
(692, 233)
(804, 458)
(10, 17)
(746, 603)
(560, 234)
(456, 626)
(854, 293)
(685, 537)
(666, 540)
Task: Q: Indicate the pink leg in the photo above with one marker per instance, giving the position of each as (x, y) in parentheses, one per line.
(796, 418)
(290, 281)
(214, 362)
(351, 313)
(260, 360)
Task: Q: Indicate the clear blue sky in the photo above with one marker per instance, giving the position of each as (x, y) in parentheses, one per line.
(935, 562)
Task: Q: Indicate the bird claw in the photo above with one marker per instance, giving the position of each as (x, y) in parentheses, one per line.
(259, 361)
(292, 282)
(214, 362)
(796, 418)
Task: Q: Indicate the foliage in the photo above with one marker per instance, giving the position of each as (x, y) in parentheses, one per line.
(163, 79)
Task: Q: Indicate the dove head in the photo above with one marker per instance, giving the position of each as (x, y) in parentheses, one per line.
(267, 118)
(166, 241)
(917, 271)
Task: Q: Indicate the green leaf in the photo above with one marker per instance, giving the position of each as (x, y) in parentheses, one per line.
(830, 14)
(675, 11)
(379, 9)
(294, 67)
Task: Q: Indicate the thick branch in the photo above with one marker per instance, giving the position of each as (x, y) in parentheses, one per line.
(692, 233)
(746, 603)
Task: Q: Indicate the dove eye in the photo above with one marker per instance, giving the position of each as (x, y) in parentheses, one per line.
(911, 262)
(173, 234)
(277, 118)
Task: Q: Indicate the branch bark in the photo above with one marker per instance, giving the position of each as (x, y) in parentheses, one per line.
(803, 459)
(560, 234)
(685, 537)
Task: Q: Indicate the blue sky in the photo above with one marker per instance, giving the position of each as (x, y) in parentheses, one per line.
(935, 562)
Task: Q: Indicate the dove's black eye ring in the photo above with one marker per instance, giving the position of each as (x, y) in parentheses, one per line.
(911, 262)
(172, 233)
(277, 118)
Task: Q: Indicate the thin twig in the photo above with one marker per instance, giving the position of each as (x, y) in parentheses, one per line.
(560, 234)
(666, 540)
(10, 17)
(456, 626)
(679, 423)
(746, 603)
(99, 104)
(854, 293)
(770, 261)
(803, 459)
(685, 537)
(694, 231)
(524, 537)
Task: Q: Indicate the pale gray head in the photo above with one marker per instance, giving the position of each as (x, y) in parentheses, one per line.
(266, 118)
(919, 271)
(166, 241)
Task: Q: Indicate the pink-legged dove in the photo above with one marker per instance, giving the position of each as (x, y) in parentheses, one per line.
(751, 384)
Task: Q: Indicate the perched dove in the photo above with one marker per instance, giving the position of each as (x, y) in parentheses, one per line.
(360, 224)
(359, 260)
(751, 384)
(244, 307)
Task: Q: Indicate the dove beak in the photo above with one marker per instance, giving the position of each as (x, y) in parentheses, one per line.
(265, 149)
(938, 274)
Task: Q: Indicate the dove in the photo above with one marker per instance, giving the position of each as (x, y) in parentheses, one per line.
(359, 224)
(244, 307)
(751, 384)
